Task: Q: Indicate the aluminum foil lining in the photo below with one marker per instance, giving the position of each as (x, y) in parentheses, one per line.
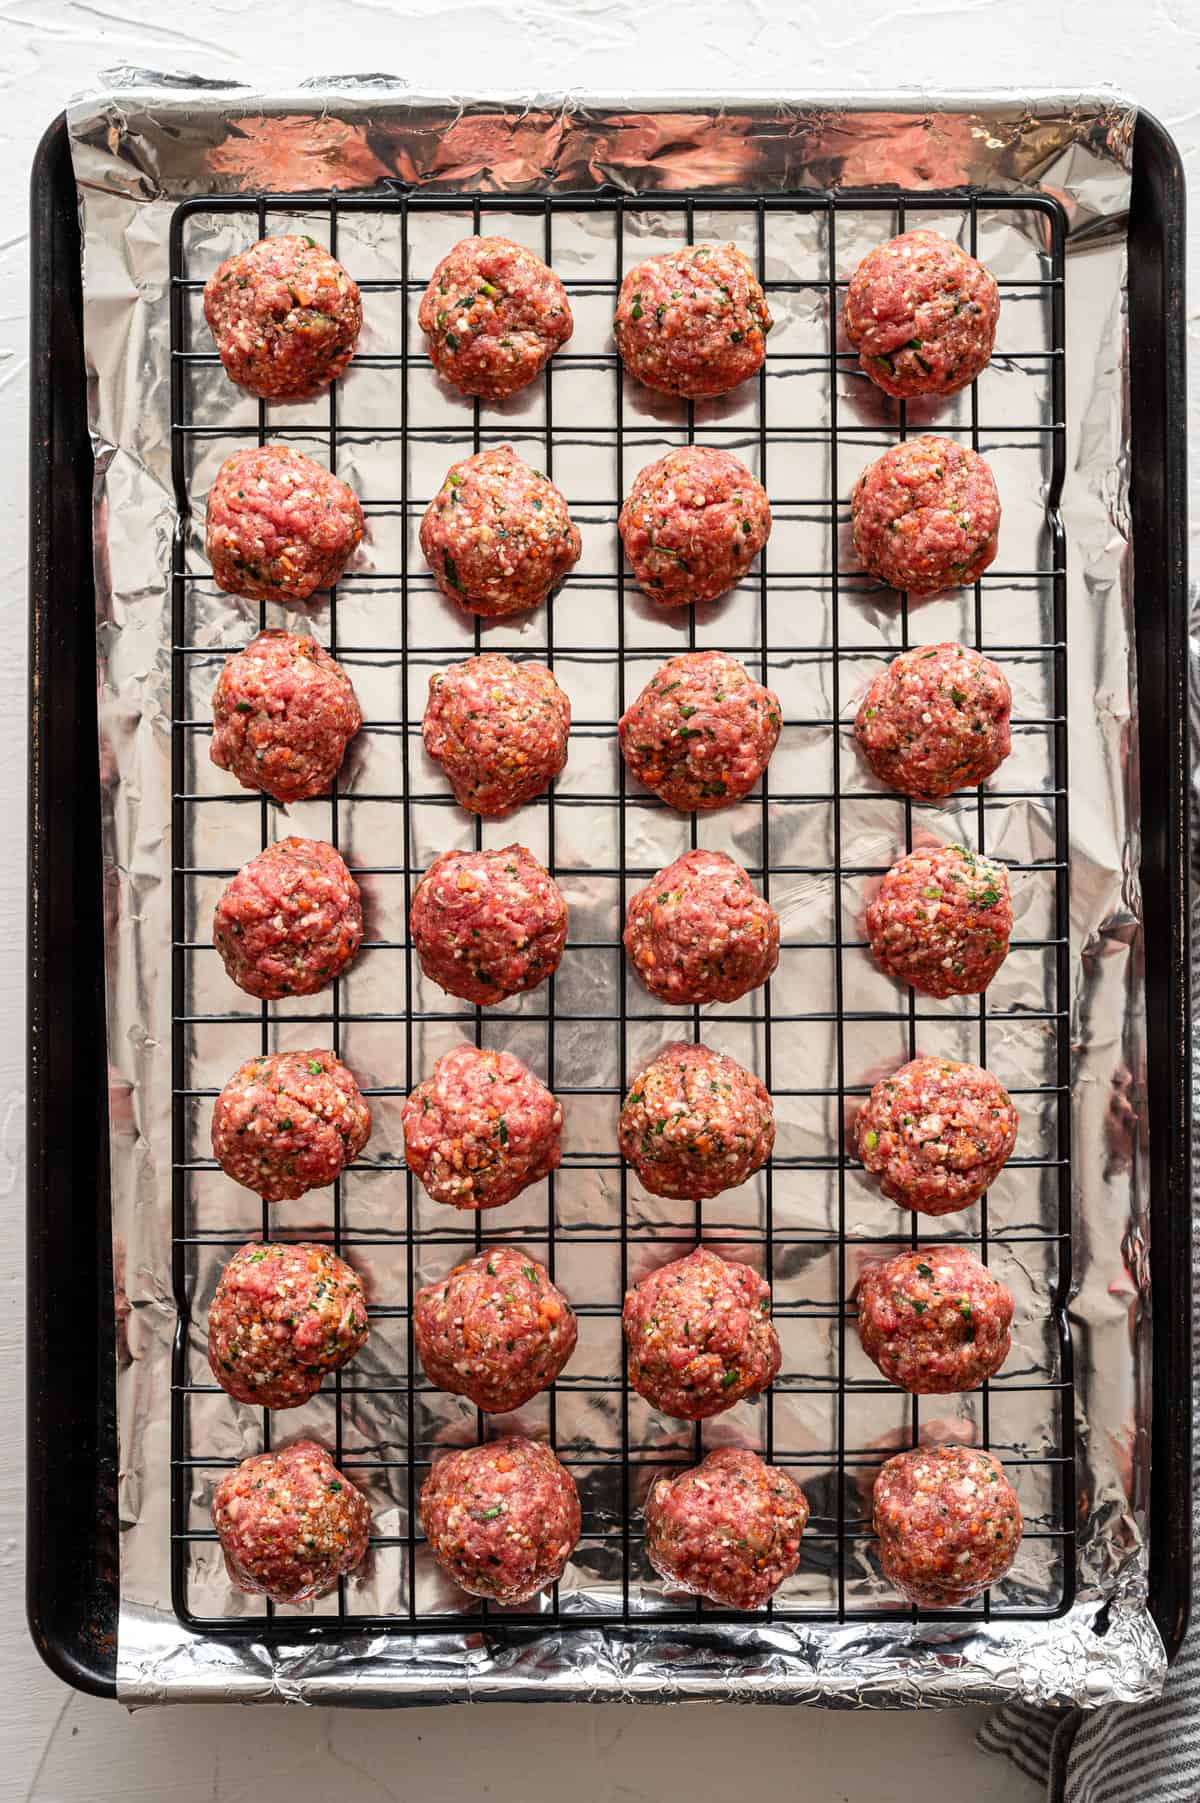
(147, 142)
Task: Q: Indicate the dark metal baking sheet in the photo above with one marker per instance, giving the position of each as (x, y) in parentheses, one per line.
(65, 1449)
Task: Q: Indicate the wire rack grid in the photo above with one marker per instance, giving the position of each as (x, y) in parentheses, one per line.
(819, 1033)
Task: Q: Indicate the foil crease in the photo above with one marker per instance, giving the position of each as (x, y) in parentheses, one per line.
(146, 142)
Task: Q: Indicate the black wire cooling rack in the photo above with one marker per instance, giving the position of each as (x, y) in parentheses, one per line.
(829, 1420)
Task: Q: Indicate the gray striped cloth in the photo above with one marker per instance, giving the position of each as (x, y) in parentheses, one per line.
(1129, 1753)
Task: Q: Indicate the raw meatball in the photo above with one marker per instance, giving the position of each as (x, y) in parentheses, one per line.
(494, 315)
(289, 1122)
(289, 1523)
(948, 1521)
(695, 1123)
(936, 1134)
(728, 1529)
(279, 526)
(481, 1129)
(936, 1321)
(501, 1519)
(496, 1330)
(699, 1336)
(283, 713)
(497, 535)
(922, 315)
(693, 321)
(692, 525)
(940, 920)
(699, 931)
(488, 924)
(936, 720)
(499, 729)
(290, 921)
(286, 317)
(926, 515)
(701, 732)
(281, 1318)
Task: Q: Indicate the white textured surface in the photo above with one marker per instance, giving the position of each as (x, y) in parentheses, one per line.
(54, 1744)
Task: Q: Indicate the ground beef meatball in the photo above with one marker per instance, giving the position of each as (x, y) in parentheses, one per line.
(700, 932)
(281, 1318)
(496, 1330)
(290, 1525)
(695, 1123)
(290, 921)
(926, 515)
(693, 321)
(699, 1336)
(940, 920)
(481, 1129)
(285, 316)
(692, 525)
(501, 1519)
(279, 526)
(701, 732)
(922, 315)
(488, 924)
(948, 1521)
(289, 1122)
(283, 713)
(497, 535)
(936, 720)
(494, 315)
(936, 1322)
(936, 1134)
(728, 1529)
(499, 730)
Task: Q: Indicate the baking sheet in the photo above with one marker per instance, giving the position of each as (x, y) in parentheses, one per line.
(139, 149)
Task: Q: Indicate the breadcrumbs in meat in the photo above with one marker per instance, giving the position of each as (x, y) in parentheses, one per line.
(493, 315)
(729, 1529)
(693, 321)
(936, 1133)
(936, 720)
(290, 921)
(288, 1122)
(281, 1318)
(285, 317)
(700, 932)
(501, 1519)
(495, 1329)
(692, 525)
(949, 1524)
(487, 925)
(922, 315)
(283, 713)
(936, 1321)
(695, 1123)
(290, 1524)
(926, 516)
(497, 535)
(699, 1336)
(481, 1129)
(498, 729)
(701, 732)
(941, 920)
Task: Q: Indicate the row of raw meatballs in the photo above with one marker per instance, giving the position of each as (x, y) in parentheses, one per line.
(699, 735)
(502, 1518)
(499, 538)
(498, 535)
(286, 317)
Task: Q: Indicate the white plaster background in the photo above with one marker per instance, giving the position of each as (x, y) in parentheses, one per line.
(58, 1747)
